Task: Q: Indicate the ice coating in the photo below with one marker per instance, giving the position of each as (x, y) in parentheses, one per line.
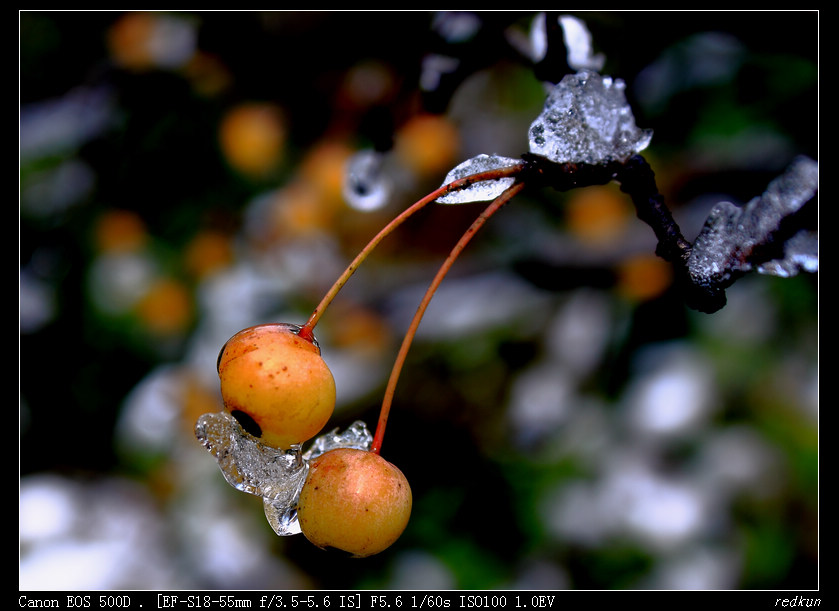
(801, 253)
(276, 475)
(282, 517)
(480, 191)
(587, 119)
(735, 238)
(356, 436)
(247, 464)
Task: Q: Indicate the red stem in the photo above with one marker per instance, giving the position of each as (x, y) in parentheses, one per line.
(496, 205)
(307, 330)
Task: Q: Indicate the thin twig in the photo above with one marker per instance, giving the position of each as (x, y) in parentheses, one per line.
(307, 330)
(496, 205)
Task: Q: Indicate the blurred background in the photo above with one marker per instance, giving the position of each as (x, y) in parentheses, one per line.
(564, 420)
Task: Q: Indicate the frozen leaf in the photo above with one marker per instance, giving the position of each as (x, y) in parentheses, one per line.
(480, 191)
(276, 475)
(738, 239)
(587, 119)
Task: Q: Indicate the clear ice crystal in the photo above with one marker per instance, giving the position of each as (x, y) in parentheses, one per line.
(246, 463)
(586, 119)
(276, 475)
(356, 436)
(480, 191)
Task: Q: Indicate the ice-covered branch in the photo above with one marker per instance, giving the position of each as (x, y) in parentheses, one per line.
(761, 235)
(586, 135)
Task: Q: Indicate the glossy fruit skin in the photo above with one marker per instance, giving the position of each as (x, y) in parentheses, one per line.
(355, 501)
(276, 384)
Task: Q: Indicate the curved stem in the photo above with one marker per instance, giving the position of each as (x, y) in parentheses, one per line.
(306, 331)
(496, 205)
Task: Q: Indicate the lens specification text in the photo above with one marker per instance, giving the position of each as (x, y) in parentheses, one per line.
(412, 601)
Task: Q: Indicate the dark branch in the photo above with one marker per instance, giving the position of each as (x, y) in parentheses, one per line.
(769, 234)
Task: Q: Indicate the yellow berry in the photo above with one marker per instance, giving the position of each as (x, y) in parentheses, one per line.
(355, 501)
(276, 384)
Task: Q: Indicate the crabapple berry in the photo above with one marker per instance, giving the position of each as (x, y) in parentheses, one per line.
(275, 383)
(354, 500)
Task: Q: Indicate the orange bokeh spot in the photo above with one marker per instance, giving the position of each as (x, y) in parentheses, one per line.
(120, 231)
(196, 400)
(208, 252)
(252, 138)
(208, 75)
(598, 214)
(643, 277)
(428, 144)
(166, 308)
(324, 166)
(300, 208)
(129, 40)
(361, 329)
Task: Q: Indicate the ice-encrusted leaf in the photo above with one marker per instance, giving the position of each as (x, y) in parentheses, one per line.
(586, 119)
(484, 190)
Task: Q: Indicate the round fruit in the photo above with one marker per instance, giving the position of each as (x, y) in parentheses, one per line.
(276, 384)
(355, 501)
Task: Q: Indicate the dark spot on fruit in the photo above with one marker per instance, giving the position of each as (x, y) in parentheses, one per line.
(247, 422)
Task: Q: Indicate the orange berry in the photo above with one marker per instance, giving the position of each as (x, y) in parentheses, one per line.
(355, 501)
(276, 384)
